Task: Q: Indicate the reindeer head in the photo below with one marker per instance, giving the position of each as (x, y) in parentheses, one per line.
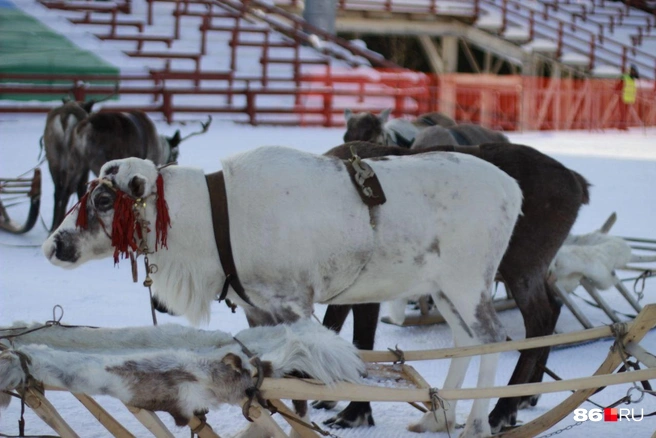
(364, 126)
(87, 105)
(104, 223)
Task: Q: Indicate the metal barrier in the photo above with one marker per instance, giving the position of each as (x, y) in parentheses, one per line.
(500, 102)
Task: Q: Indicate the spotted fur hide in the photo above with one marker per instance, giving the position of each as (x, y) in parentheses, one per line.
(173, 368)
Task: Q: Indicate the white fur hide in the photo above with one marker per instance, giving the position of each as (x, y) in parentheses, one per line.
(187, 369)
(594, 256)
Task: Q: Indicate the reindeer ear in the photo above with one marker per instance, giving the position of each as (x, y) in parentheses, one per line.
(384, 115)
(137, 186)
(175, 140)
(65, 99)
(86, 106)
(348, 114)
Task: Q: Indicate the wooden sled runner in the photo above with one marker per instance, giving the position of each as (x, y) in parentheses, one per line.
(628, 337)
(14, 191)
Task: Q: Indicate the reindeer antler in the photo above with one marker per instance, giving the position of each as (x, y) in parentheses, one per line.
(109, 96)
(205, 127)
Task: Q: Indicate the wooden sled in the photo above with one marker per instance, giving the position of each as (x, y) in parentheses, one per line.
(17, 191)
(628, 337)
(428, 315)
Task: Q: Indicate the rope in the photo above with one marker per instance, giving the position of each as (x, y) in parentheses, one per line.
(400, 356)
(437, 401)
(639, 283)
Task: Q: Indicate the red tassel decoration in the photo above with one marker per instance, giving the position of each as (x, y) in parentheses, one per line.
(124, 224)
(163, 222)
(82, 214)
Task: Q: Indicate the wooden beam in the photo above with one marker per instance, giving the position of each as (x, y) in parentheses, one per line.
(641, 354)
(644, 322)
(567, 300)
(203, 430)
(434, 317)
(594, 293)
(470, 56)
(434, 59)
(310, 390)
(47, 412)
(301, 430)
(103, 417)
(497, 347)
(151, 422)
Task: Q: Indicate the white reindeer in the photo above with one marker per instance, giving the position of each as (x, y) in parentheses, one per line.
(301, 234)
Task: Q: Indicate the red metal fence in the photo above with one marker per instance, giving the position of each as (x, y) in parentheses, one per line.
(500, 102)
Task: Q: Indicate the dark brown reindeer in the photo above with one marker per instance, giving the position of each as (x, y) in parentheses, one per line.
(401, 132)
(97, 138)
(60, 124)
(396, 132)
(553, 195)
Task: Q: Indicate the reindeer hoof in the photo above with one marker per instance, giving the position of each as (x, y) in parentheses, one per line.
(324, 404)
(527, 402)
(500, 420)
(433, 422)
(477, 429)
(354, 415)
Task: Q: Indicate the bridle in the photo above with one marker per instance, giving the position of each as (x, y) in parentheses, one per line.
(129, 219)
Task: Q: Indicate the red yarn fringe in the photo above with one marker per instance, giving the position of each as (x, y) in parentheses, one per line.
(163, 222)
(82, 214)
(124, 225)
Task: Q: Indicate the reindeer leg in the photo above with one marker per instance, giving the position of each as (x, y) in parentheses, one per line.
(365, 322)
(540, 310)
(333, 319)
(472, 323)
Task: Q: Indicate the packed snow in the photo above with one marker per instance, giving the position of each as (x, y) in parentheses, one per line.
(621, 167)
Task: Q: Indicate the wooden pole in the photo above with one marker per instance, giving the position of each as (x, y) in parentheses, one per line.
(497, 347)
(311, 390)
(644, 322)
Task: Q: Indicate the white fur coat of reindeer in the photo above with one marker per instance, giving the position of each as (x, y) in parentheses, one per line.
(300, 235)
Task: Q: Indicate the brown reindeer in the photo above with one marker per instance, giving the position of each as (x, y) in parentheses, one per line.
(97, 138)
(60, 124)
(553, 195)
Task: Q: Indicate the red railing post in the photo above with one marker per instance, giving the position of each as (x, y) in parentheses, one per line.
(265, 55)
(328, 109)
(592, 52)
(504, 16)
(150, 11)
(250, 107)
(167, 106)
(559, 43)
(176, 14)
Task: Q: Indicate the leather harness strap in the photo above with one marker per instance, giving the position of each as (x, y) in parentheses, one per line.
(365, 181)
(221, 224)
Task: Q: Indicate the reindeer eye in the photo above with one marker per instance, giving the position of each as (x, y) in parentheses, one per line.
(103, 201)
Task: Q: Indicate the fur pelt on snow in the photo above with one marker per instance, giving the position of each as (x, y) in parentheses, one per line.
(172, 368)
(594, 256)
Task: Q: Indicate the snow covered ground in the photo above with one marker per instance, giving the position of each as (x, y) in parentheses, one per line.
(621, 167)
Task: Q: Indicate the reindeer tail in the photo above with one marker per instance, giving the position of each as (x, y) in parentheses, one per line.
(585, 185)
